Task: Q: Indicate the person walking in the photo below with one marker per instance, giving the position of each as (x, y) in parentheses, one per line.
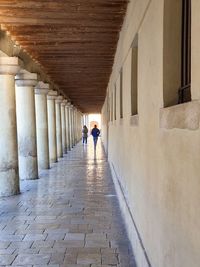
(85, 134)
(95, 133)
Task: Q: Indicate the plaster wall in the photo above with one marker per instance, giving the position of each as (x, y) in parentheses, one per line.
(155, 161)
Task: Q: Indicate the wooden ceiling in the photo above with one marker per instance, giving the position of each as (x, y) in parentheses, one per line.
(74, 40)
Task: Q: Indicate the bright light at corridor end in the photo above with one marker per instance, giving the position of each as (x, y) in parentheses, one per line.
(92, 119)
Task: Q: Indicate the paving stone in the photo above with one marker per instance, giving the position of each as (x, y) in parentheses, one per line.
(27, 251)
(7, 251)
(43, 244)
(21, 245)
(56, 231)
(43, 226)
(75, 236)
(96, 236)
(18, 265)
(109, 259)
(88, 258)
(34, 237)
(6, 259)
(29, 231)
(4, 244)
(69, 243)
(52, 250)
(8, 237)
(24, 259)
(108, 250)
(2, 225)
(97, 243)
(57, 258)
(70, 258)
(84, 250)
(75, 265)
(55, 236)
(8, 232)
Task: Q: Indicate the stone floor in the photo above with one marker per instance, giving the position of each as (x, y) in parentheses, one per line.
(69, 217)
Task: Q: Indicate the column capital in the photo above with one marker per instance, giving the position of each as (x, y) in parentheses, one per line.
(42, 88)
(52, 95)
(26, 79)
(59, 99)
(64, 102)
(9, 65)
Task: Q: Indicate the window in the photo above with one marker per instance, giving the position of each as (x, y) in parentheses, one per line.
(121, 93)
(134, 77)
(185, 90)
(115, 102)
(111, 107)
(177, 52)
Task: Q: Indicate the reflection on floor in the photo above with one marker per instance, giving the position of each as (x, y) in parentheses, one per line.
(69, 217)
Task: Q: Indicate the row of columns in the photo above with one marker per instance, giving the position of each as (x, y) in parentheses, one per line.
(37, 126)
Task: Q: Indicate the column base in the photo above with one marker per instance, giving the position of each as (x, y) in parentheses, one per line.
(28, 169)
(43, 165)
(9, 183)
(53, 160)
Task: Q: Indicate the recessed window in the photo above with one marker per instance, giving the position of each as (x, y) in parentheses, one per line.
(177, 52)
(121, 93)
(108, 108)
(185, 90)
(134, 77)
(111, 107)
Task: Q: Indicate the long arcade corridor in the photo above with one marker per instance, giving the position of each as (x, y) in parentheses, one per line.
(69, 217)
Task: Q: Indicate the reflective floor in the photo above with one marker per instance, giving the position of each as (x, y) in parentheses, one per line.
(69, 217)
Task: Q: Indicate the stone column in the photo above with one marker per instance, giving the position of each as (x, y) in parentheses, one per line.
(71, 126)
(41, 92)
(76, 127)
(9, 177)
(26, 125)
(58, 100)
(51, 111)
(74, 122)
(63, 123)
(67, 126)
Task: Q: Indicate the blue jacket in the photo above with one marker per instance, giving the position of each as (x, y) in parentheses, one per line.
(95, 132)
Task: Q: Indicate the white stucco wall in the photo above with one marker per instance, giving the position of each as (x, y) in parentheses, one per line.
(158, 167)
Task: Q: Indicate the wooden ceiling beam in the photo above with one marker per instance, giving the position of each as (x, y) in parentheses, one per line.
(74, 42)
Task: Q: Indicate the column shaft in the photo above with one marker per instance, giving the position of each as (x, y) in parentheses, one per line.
(42, 126)
(70, 127)
(67, 127)
(52, 126)
(9, 177)
(59, 127)
(73, 128)
(63, 123)
(26, 126)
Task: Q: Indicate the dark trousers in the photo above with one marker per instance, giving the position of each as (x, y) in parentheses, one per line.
(95, 139)
(85, 140)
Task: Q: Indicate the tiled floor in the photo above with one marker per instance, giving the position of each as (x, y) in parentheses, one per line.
(69, 217)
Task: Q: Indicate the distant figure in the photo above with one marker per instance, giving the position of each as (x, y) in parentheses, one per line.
(95, 133)
(85, 134)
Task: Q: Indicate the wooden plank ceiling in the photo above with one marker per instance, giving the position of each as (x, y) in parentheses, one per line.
(74, 40)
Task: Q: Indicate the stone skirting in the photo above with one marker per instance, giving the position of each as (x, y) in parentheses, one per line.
(139, 251)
